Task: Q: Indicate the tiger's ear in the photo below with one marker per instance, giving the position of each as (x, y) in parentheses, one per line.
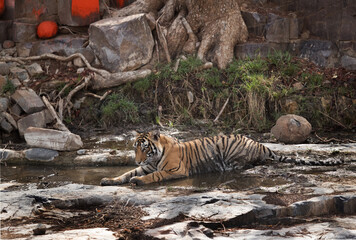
(156, 135)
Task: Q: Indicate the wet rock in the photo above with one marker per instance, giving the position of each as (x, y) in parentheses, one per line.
(34, 69)
(28, 100)
(41, 154)
(8, 44)
(62, 44)
(52, 139)
(132, 47)
(291, 129)
(33, 120)
(4, 104)
(6, 154)
(348, 62)
(4, 68)
(20, 73)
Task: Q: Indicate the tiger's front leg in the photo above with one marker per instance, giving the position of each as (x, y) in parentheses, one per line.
(125, 178)
(157, 176)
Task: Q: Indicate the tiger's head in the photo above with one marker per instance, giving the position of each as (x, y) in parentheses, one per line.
(147, 147)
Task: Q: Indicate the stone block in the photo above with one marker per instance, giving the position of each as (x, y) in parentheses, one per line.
(293, 28)
(5, 29)
(69, 16)
(24, 32)
(255, 22)
(62, 44)
(40, 154)
(33, 120)
(28, 100)
(251, 50)
(277, 29)
(348, 62)
(34, 69)
(321, 52)
(39, 10)
(52, 139)
(20, 73)
(122, 44)
(4, 68)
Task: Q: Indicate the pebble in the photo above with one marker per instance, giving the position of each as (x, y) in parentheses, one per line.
(8, 44)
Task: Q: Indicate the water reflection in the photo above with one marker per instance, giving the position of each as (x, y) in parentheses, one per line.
(53, 176)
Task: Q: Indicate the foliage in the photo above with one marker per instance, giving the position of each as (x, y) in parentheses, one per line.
(119, 107)
(256, 88)
(8, 87)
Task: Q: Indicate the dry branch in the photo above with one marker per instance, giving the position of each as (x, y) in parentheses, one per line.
(162, 39)
(101, 98)
(117, 79)
(222, 109)
(59, 123)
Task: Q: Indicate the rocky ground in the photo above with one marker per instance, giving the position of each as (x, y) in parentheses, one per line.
(268, 201)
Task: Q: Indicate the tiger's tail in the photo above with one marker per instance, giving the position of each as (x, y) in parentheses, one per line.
(312, 162)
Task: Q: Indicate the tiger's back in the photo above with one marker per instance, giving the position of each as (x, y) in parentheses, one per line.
(218, 154)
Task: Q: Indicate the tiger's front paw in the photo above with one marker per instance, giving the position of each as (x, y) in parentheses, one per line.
(109, 182)
(137, 181)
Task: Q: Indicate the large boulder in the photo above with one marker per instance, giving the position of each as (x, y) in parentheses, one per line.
(52, 139)
(122, 44)
(291, 128)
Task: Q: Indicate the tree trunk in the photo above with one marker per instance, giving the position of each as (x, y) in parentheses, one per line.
(208, 28)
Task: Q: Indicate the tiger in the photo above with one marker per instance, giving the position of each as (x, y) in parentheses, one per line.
(162, 157)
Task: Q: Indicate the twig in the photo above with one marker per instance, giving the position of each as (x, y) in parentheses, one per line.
(222, 109)
(64, 88)
(101, 98)
(325, 140)
(59, 124)
(342, 125)
(76, 89)
(60, 109)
